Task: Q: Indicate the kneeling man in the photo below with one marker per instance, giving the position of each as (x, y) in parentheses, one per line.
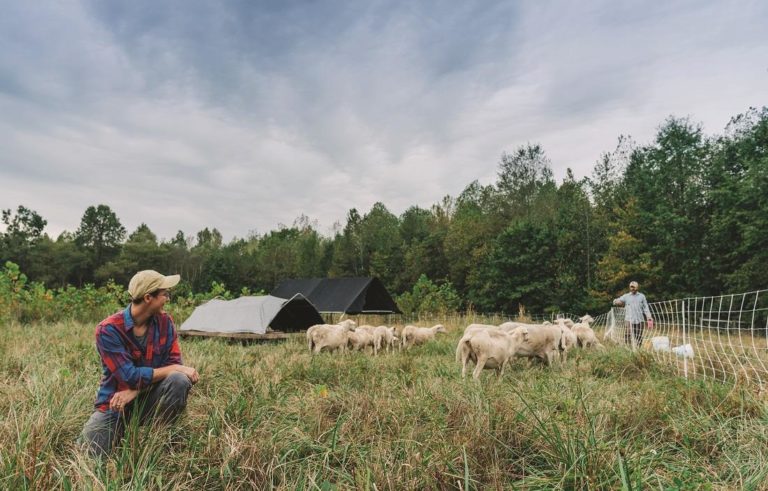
(142, 367)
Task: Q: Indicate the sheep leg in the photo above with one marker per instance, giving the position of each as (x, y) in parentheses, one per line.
(549, 358)
(481, 359)
(503, 366)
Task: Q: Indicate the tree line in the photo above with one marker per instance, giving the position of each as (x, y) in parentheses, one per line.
(685, 215)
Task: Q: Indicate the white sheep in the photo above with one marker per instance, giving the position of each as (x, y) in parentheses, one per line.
(509, 326)
(367, 328)
(359, 339)
(540, 341)
(585, 335)
(413, 335)
(570, 340)
(383, 337)
(331, 337)
(468, 332)
(489, 349)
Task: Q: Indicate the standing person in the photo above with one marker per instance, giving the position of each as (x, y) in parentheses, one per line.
(636, 312)
(141, 363)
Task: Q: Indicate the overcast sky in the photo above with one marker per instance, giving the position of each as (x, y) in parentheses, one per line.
(243, 115)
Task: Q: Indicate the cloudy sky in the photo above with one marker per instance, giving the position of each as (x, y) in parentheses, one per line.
(243, 115)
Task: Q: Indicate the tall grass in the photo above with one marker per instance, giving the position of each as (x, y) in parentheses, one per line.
(269, 416)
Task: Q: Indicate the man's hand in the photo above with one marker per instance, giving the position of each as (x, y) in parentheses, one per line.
(121, 399)
(190, 372)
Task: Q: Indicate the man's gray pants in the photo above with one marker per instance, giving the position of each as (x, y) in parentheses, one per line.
(163, 402)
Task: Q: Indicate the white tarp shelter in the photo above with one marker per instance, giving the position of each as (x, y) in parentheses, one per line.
(252, 315)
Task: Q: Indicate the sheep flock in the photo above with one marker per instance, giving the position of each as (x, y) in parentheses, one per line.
(486, 346)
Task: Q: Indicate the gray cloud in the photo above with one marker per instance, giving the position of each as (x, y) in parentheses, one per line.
(243, 115)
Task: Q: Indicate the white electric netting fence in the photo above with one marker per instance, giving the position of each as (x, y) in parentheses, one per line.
(722, 338)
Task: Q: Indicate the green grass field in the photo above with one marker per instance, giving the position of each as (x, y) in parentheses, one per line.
(270, 416)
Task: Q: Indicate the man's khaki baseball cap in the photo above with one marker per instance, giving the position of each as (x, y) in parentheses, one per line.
(148, 281)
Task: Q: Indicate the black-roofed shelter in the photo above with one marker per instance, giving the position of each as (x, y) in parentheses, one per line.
(263, 317)
(342, 295)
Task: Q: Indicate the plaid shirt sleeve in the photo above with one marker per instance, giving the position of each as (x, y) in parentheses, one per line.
(118, 361)
(172, 356)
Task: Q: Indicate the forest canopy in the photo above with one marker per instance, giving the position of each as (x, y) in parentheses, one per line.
(685, 214)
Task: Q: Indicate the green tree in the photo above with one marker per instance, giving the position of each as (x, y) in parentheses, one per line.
(667, 180)
(627, 259)
(524, 178)
(23, 231)
(314, 252)
(381, 246)
(100, 234)
(609, 197)
(428, 297)
(207, 243)
(519, 270)
(208, 240)
(574, 259)
(26, 223)
(737, 246)
(277, 257)
(423, 236)
(467, 241)
(347, 249)
(141, 251)
(231, 264)
(58, 263)
(178, 260)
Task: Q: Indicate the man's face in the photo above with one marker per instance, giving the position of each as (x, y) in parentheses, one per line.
(633, 288)
(158, 300)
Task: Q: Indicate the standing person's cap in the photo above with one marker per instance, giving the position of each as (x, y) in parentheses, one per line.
(148, 281)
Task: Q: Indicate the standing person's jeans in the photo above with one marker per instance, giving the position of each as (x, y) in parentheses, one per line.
(634, 330)
(163, 402)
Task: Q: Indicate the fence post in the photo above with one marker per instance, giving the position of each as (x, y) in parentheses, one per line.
(611, 322)
(685, 341)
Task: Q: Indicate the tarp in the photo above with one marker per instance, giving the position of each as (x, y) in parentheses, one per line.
(253, 315)
(342, 295)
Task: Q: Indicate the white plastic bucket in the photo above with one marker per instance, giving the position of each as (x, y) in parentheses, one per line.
(684, 351)
(660, 343)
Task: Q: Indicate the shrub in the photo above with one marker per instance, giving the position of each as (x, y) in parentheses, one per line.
(427, 297)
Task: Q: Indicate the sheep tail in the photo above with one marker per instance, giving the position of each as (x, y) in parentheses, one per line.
(561, 344)
(310, 340)
(465, 342)
(458, 350)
